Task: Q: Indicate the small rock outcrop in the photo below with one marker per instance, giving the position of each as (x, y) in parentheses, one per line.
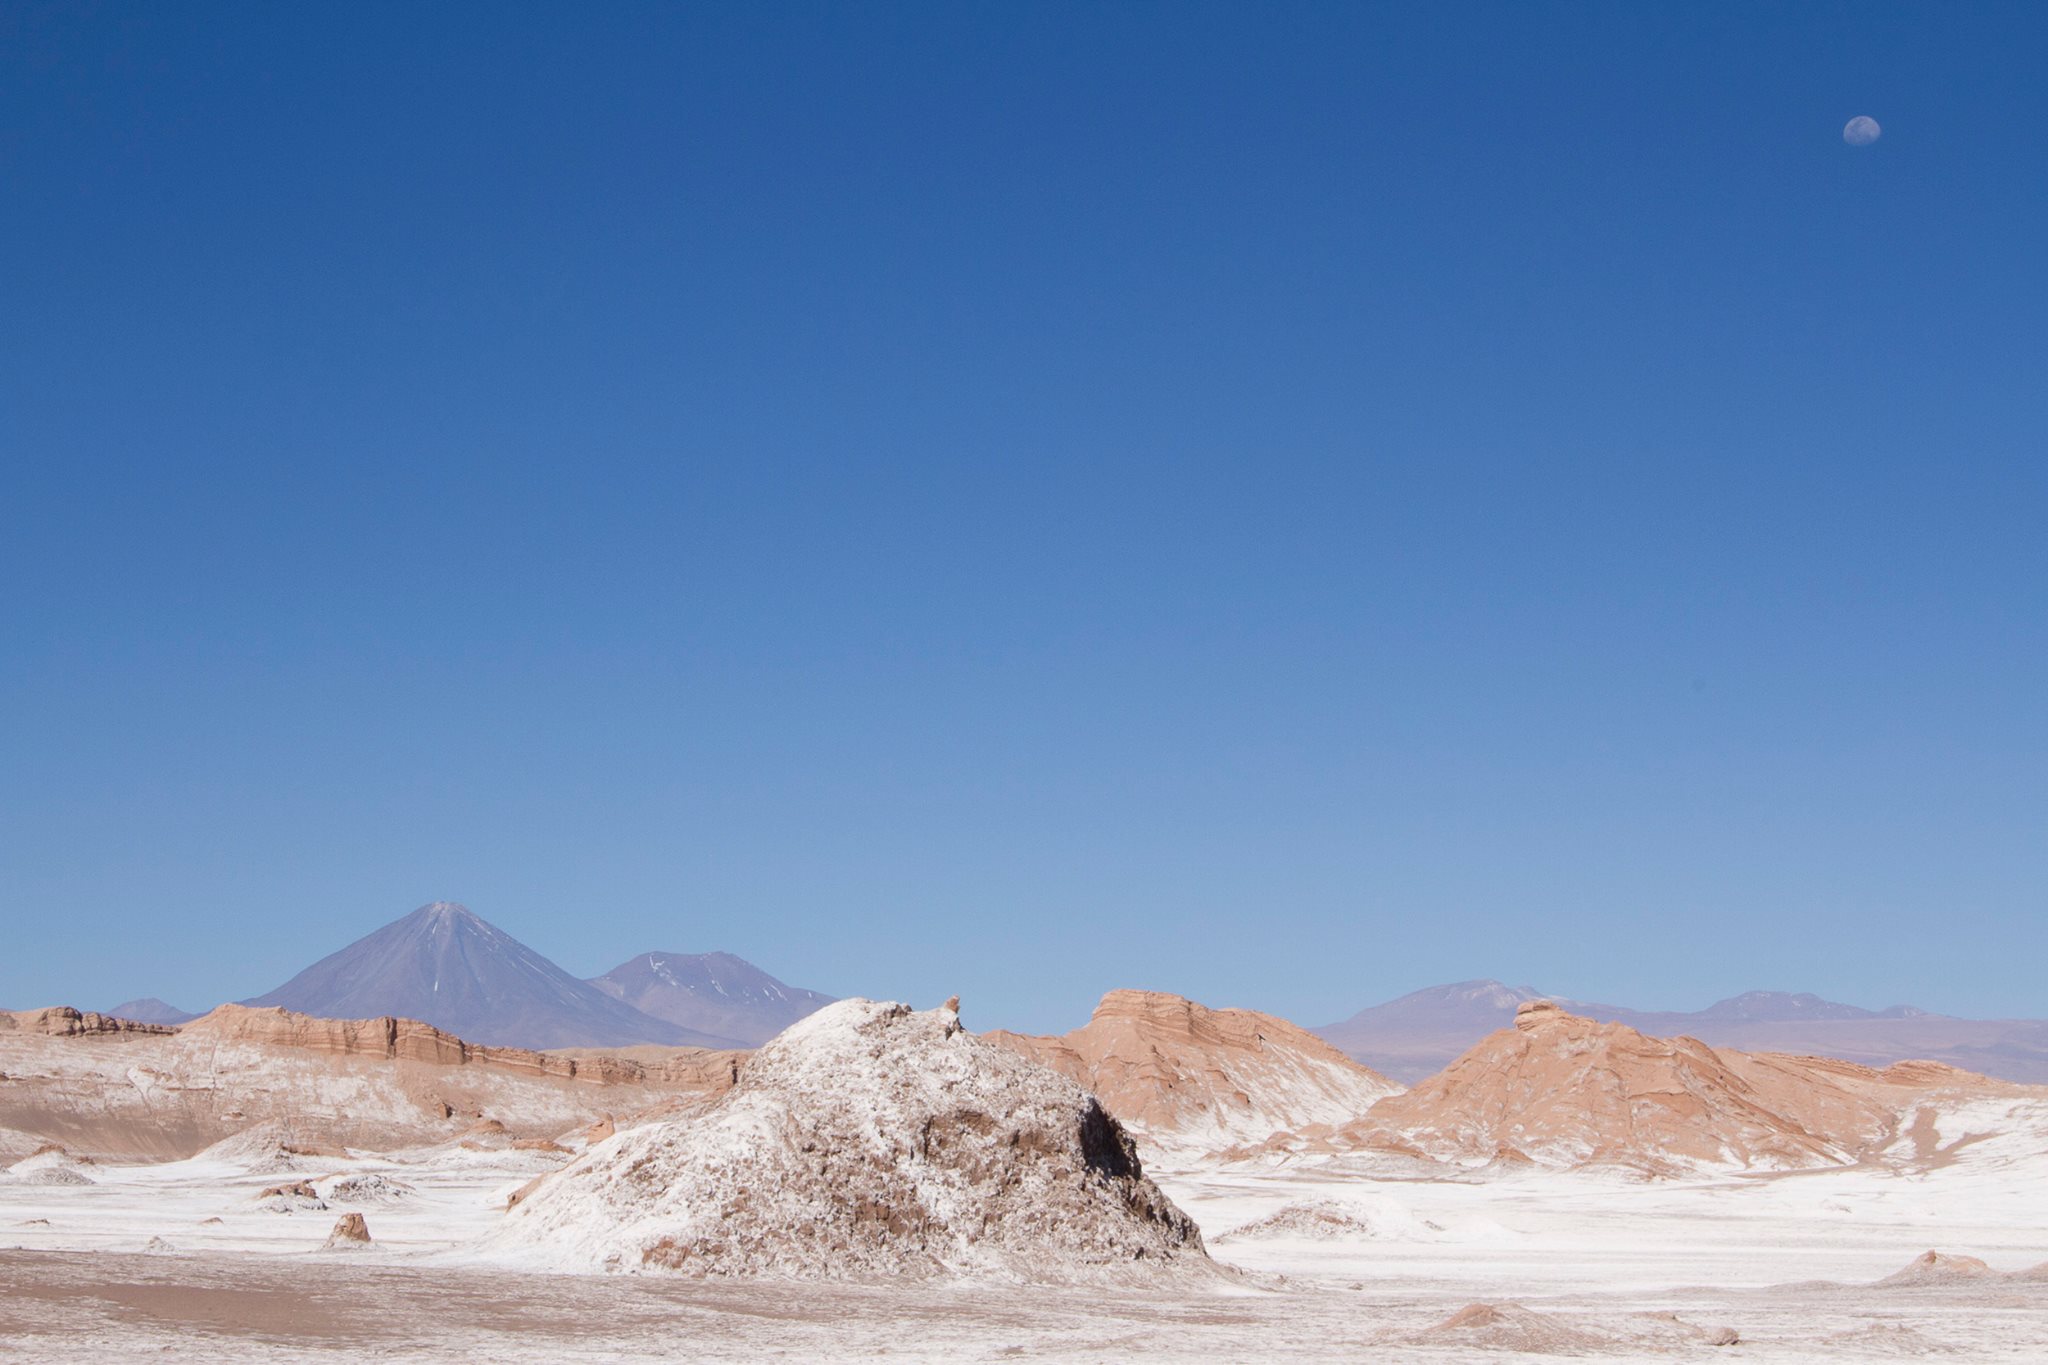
(350, 1231)
(370, 1188)
(867, 1140)
(1316, 1220)
(50, 1164)
(293, 1197)
(1940, 1267)
(1512, 1327)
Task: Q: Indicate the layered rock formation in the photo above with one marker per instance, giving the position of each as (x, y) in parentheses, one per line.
(868, 1139)
(350, 1230)
(1562, 1090)
(62, 1021)
(115, 1088)
(411, 1040)
(1184, 1075)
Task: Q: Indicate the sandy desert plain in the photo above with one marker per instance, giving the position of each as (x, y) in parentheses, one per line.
(882, 1182)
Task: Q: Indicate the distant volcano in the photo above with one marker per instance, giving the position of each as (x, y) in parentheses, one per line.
(714, 993)
(150, 1010)
(445, 966)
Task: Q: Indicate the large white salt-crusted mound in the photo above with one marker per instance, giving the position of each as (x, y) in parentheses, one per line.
(867, 1140)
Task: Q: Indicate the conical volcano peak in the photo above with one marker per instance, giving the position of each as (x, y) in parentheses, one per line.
(446, 912)
(445, 965)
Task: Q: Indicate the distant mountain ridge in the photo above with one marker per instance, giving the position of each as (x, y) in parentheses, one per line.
(713, 993)
(150, 1010)
(1415, 1036)
(444, 965)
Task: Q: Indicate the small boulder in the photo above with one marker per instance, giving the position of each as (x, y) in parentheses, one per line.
(1939, 1267)
(295, 1197)
(1512, 1327)
(539, 1145)
(513, 1201)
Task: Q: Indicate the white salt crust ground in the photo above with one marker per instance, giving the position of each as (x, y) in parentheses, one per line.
(1591, 1254)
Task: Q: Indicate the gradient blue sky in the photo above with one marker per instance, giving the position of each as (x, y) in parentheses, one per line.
(1286, 504)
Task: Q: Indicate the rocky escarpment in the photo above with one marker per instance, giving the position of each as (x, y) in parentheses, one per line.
(62, 1021)
(410, 1040)
(866, 1140)
(1187, 1076)
(112, 1088)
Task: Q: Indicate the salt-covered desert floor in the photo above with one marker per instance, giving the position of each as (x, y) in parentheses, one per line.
(1328, 1263)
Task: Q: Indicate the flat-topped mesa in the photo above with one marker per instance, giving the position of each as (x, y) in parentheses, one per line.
(412, 1041)
(1184, 1074)
(122, 1090)
(1564, 1090)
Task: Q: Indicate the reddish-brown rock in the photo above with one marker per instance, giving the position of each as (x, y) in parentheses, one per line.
(1182, 1073)
(351, 1230)
(62, 1021)
(1568, 1091)
(116, 1088)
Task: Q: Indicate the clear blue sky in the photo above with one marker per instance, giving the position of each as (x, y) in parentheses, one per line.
(1286, 504)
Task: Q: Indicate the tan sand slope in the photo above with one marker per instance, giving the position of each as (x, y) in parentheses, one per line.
(866, 1140)
(1565, 1091)
(1184, 1074)
(113, 1088)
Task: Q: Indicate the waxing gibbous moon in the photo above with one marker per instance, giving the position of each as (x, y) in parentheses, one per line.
(1861, 131)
